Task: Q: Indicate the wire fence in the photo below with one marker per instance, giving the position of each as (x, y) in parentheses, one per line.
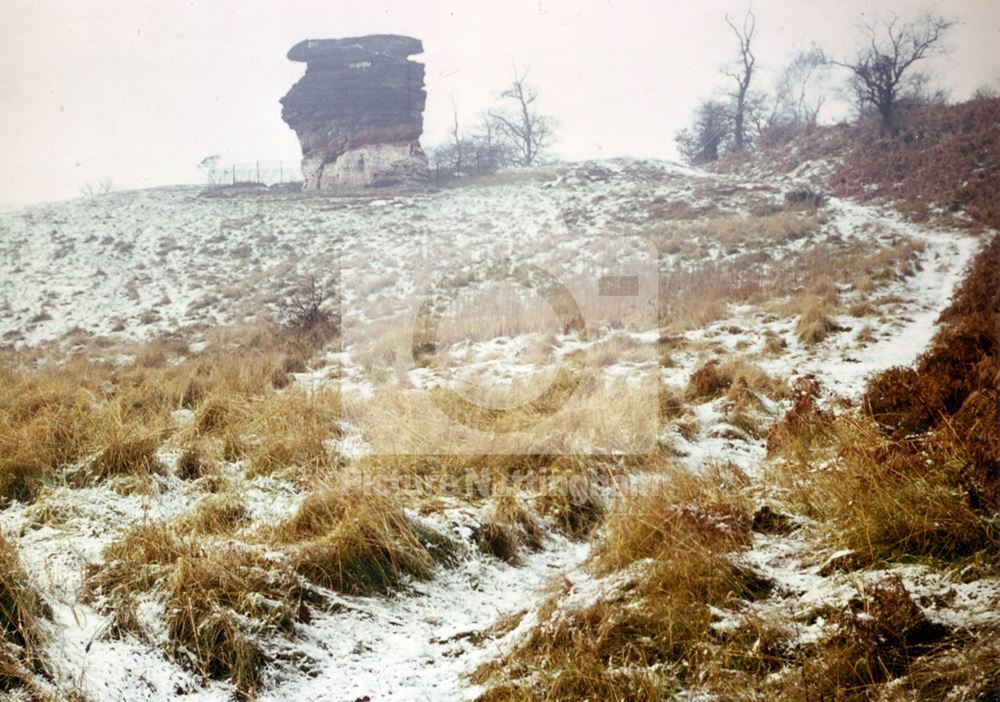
(445, 167)
(441, 171)
(255, 172)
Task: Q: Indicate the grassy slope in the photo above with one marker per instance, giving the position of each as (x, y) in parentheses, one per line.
(915, 474)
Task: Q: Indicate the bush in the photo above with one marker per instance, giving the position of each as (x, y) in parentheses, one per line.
(871, 646)
(708, 382)
(804, 197)
(307, 315)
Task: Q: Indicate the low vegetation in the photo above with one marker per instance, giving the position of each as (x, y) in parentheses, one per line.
(671, 598)
(21, 610)
(90, 421)
(361, 544)
(907, 477)
(665, 564)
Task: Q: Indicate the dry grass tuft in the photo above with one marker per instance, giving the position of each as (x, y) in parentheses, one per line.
(509, 529)
(737, 375)
(137, 561)
(21, 609)
(45, 423)
(815, 321)
(216, 514)
(576, 512)
(293, 427)
(222, 606)
(359, 543)
(690, 511)
(126, 448)
(221, 603)
(196, 462)
(804, 428)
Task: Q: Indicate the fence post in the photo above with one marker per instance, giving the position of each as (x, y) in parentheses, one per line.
(234, 174)
(258, 173)
(281, 171)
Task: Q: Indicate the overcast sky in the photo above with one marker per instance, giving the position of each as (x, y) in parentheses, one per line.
(140, 91)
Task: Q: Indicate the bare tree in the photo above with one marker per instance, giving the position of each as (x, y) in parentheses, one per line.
(798, 90)
(457, 144)
(742, 75)
(524, 129)
(882, 72)
(453, 157)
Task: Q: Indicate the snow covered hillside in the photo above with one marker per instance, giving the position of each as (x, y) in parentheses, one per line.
(124, 307)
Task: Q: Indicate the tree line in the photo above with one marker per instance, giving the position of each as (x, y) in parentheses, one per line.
(883, 74)
(514, 132)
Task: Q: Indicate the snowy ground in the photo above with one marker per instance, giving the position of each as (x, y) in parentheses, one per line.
(129, 266)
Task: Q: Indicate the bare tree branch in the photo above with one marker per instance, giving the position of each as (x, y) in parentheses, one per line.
(742, 75)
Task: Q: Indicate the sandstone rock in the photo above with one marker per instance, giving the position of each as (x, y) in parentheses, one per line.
(358, 111)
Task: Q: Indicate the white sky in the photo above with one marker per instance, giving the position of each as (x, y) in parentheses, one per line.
(140, 91)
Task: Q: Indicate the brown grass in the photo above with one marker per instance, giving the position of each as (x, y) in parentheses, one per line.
(125, 447)
(509, 529)
(576, 510)
(737, 376)
(45, 423)
(895, 501)
(944, 155)
(216, 514)
(815, 321)
(21, 609)
(52, 417)
(690, 237)
(221, 605)
(877, 643)
(963, 665)
(221, 602)
(360, 543)
(643, 638)
(197, 461)
(293, 427)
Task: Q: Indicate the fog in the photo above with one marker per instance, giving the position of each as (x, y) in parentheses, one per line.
(139, 92)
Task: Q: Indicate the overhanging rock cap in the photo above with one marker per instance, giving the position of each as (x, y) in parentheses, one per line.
(319, 50)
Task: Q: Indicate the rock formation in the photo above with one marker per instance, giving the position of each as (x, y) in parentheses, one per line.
(358, 111)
